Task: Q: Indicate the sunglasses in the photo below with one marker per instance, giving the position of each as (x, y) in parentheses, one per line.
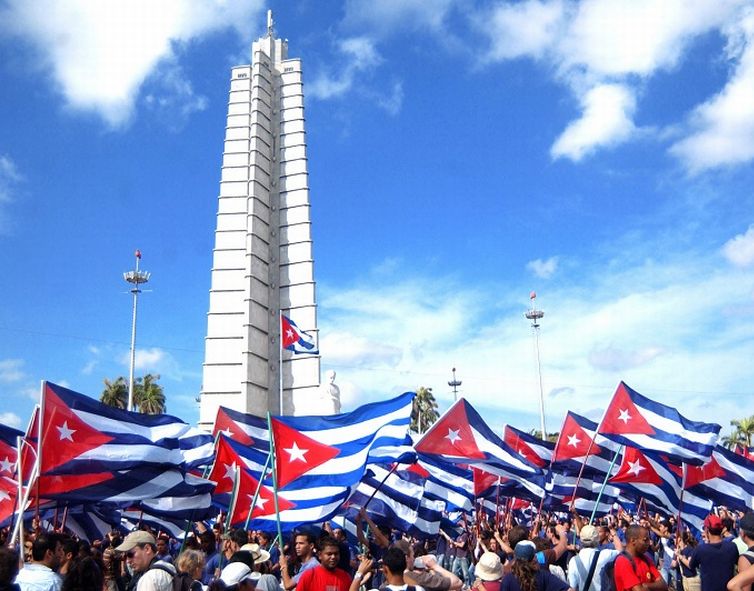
(130, 554)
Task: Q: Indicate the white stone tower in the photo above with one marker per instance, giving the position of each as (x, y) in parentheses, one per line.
(262, 261)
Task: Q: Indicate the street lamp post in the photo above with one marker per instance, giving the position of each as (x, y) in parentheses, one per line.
(136, 278)
(454, 383)
(535, 316)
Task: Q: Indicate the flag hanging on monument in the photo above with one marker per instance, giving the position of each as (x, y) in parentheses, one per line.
(296, 340)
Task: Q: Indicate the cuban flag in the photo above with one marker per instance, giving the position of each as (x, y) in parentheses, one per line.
(727, 478)
(450, 483)
(579, 444)
(462, 436)
(635, 420)
(81, 435)
(535, 450)
(334, 450)
(8, 440)
(247, 429)
(563, 492)
(395, 497)
(658, 481)
(296, 340)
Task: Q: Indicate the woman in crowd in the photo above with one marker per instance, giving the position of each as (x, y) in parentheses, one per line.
(526, 575)
(191, 563)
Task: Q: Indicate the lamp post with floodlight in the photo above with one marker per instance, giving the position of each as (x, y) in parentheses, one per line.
(136, 278)
(535, 316)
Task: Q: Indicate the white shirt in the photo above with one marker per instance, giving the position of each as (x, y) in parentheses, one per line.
(578, 570)
(38, 577)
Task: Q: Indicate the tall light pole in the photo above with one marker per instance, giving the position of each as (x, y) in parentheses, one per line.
(136, 278)
(535, 316)
(454, 383)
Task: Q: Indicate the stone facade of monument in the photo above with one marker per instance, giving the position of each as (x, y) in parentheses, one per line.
(262, 261)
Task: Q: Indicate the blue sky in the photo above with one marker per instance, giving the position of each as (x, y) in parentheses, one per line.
(461, 154)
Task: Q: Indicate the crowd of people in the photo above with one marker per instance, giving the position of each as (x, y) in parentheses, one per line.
(620, 553)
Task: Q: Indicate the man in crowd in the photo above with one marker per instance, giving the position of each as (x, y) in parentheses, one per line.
(428, 574)
(46, 556)
(585, 568)
(150, 574)
(304, 548)
(634, 570)
(326, 575)
(716, 558)
(231, 543)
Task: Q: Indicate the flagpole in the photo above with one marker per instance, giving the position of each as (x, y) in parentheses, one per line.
(604, 483)
(233, 498)
(40, 442)
(19, 493)
(273, 456)
(280, 363)
(262, 476)
(592, 442)
(376, 490)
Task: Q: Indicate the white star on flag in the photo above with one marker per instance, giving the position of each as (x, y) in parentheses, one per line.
(65, 432)
(6, 465)
(4, 496)
(228, 432)
(453, 436)
(635, 467)
(624, 416)
(296, 453)
(574, 440)
(521, 452)
(230, 471)
(260, 502)
(289, 333)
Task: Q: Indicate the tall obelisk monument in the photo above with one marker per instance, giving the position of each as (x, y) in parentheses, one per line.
(262, 263)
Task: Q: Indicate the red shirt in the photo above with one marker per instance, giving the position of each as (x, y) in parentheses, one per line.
(319, 578)
(627, 576)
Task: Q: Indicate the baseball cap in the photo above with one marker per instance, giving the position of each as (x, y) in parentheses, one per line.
(713, 523)
(136, 538)
(236, 573)
(588, 534)
(525, 550)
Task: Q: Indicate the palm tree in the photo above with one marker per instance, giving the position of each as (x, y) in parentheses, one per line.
(115, 393)
(149, 397)
(744, 430)
(424, 412)
(551, 437)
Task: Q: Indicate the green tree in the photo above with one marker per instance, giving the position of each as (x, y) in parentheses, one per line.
(115, 393)
(553, 437)
(149, 397)
(424, 412)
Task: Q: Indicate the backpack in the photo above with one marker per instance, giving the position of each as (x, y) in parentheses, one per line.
(181, 581)
(607, 576)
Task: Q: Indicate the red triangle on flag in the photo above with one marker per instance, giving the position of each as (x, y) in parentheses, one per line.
(265, 504)
(417, 469)
(8, 493)
(296, 454)
(451, 436)
(227, 462)
(64, 435)
(288, 332)
(63, 483)
(226, 425)
(483, 480)
(573, 442)
(636, 469)
(698, 474)
(623, 417)
(522, 448)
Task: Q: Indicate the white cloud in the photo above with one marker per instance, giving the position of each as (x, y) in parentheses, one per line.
(390, 16)
(607, 120)
(543, 269)
(11, 370)
(100, 53)
(150, 359)
(739, 250)
(613, 358)
(525, 29)
(723, 127)
(10, 419)
(604, 51)
(357, 54)
(10, 177)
